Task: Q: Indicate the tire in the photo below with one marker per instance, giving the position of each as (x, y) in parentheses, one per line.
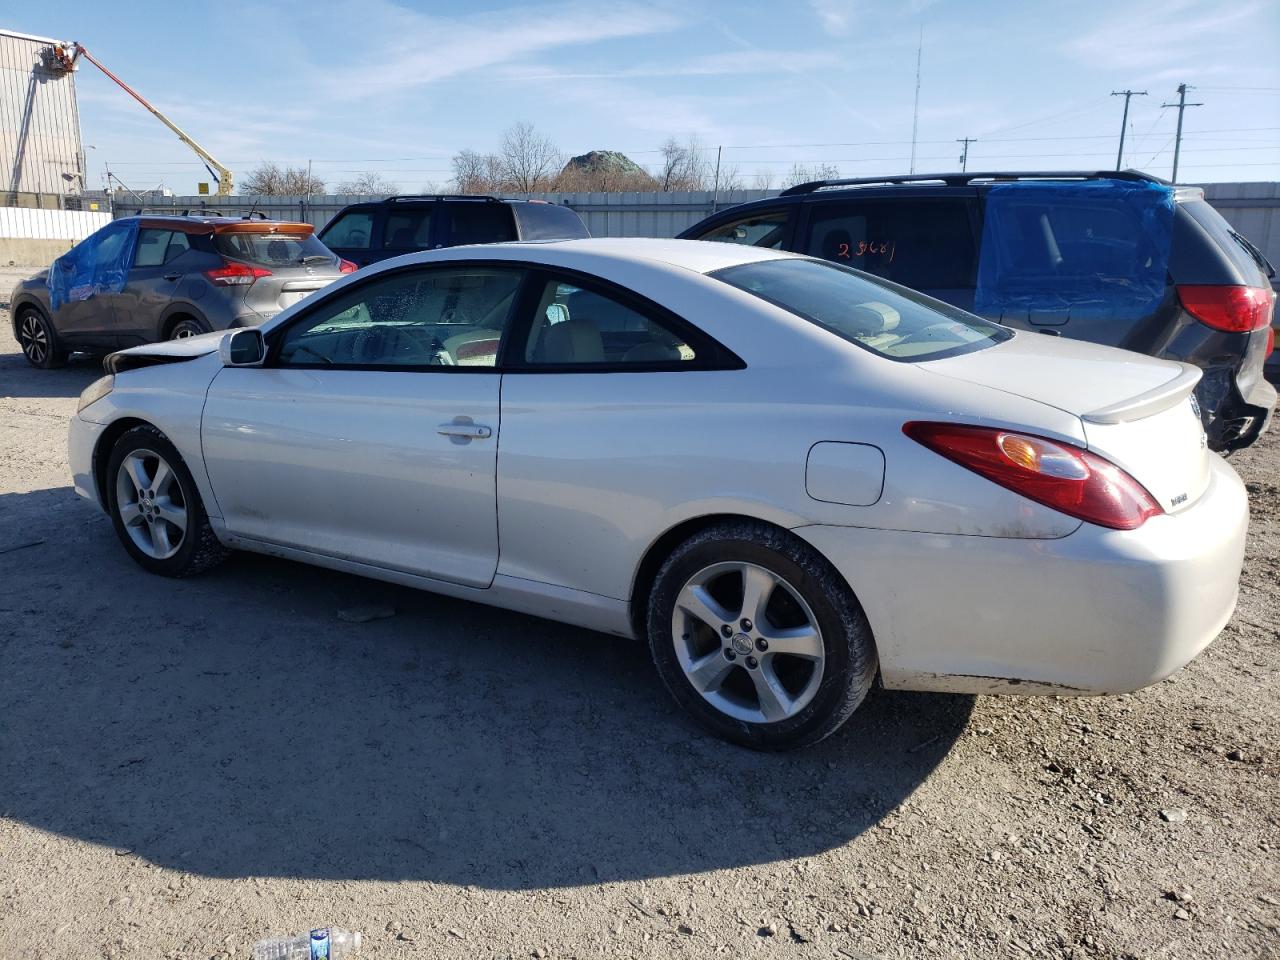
(763, 696)
(38, 340)
(186, 327)
(157, 513)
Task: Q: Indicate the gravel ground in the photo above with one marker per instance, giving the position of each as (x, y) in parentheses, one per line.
(188, 766)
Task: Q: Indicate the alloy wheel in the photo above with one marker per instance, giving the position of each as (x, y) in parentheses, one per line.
(34, 338)
(748, 642)
(185, 329)
(150, 503)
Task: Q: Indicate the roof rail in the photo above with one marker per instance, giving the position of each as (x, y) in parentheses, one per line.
(964, 179)
(439, 196)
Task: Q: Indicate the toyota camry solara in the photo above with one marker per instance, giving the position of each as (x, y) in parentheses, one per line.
(785, 475)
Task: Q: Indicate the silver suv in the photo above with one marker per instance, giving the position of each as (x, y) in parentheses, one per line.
(142, 279)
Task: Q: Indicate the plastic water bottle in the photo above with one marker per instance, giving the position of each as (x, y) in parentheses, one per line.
(322, 944)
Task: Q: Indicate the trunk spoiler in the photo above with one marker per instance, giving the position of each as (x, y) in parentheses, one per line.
(1149, 402)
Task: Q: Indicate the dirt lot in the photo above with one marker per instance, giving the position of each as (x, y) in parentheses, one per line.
(186, 767)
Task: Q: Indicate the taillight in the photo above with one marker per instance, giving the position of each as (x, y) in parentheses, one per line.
(1230, 308)
(1271, 343)
(346, 266)
(1059, 475)
(232, 273)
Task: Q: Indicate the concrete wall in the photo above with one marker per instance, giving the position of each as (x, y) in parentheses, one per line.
(36, 238)
(40, 150)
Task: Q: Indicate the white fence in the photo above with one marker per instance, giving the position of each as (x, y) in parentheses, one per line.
(24, 223)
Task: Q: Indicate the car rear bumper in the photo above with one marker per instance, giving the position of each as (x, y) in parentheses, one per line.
(1096, 612)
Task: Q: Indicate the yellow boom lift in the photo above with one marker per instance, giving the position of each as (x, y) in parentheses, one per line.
(66, 55)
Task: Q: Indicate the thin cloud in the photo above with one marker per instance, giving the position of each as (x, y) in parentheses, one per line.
(1156, 37)
(836, 16)
(708, 65)
(482, 41)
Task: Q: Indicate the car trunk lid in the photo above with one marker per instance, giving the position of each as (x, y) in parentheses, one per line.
(1138, 412)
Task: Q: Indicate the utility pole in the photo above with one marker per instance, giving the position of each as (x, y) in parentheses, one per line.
(715, 196)
(915, 113)
(1182, 106)
(1124, 121)
(964, 157)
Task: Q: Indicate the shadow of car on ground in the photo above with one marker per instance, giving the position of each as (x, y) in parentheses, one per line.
(231, 725)
(19, 379)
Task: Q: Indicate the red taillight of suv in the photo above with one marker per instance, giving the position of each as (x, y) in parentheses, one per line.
(1233, 309)
(346, 266)
(232, 273)
(1065, 477)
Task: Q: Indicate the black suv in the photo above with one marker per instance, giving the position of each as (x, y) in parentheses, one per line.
(365, 233)
(1119, 258)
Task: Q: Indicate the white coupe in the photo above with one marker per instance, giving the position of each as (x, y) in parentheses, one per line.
(784, 474)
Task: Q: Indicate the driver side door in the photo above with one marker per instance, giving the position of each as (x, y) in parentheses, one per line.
(371, 433)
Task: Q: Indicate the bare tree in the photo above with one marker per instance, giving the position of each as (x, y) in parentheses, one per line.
(368, 183)
(528, 160)
(730, 178)
(475, 172)
(269, 179)
(801, 173)
(763, 180)
(682, 166)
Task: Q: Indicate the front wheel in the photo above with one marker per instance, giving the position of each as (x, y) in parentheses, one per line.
(186, 327)
(759, 637)
(156, 508)
(38, 341)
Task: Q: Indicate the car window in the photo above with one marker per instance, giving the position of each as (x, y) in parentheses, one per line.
(472, 221)
(272, 249)
(111, 248)
(350, 230)
(893, 322)
(924, 244)
(444, 317)
(572, 325)
(178, 245)
(152, 245)
(407, 230)
(762, 230)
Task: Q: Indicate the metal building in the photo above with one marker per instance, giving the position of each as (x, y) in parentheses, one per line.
(41, 156)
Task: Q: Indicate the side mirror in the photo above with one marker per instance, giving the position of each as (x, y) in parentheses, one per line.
(242, 348)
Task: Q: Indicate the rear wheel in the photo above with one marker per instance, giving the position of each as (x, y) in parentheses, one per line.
(156, 508)
(38, 341)
(758, 636)
(186, 327)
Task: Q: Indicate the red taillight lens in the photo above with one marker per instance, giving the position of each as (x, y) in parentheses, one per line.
(1058, 475)
(232, 273)
(346, 266)
(1271, 343)
(1233, 309)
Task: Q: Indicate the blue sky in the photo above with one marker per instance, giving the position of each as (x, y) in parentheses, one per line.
(399, 87)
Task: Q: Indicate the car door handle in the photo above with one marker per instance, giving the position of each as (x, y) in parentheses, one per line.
(469, 431)
(173, 276)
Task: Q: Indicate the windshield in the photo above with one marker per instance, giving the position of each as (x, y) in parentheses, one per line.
(273, 249)
(885, 318)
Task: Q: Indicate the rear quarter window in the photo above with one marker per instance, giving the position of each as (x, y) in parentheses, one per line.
(891, 321)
